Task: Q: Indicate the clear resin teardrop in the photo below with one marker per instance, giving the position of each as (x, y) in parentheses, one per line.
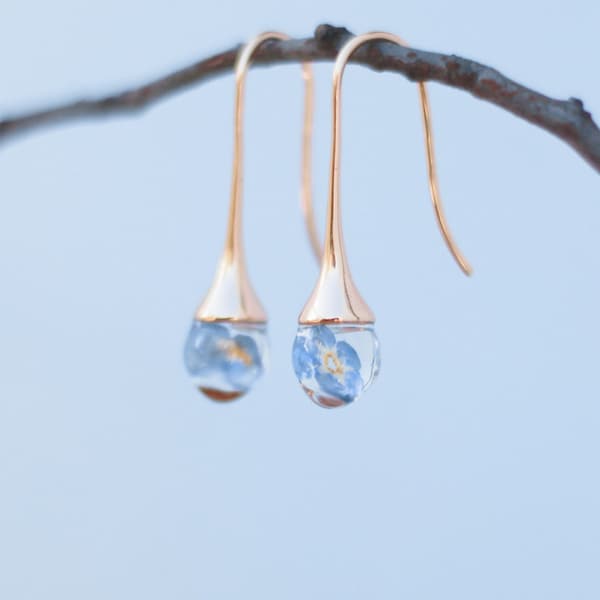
(335, 364)
(225, 359)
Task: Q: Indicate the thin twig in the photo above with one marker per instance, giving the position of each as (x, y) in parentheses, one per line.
(566, 119)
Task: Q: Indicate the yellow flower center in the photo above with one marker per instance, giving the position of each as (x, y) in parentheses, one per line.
(234, 352)
(332, 363)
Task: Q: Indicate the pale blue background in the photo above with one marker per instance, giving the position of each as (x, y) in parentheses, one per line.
(469, 471)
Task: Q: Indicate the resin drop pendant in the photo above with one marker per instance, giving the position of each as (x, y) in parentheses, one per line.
(335, 364)
(225, 359)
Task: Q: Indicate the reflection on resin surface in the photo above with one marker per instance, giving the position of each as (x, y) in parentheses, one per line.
(225, 359)
(335, 363)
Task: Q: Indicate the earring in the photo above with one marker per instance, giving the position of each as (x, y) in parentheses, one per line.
(226, 348)
(336, 352)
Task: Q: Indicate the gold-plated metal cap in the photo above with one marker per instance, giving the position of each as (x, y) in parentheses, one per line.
(336, 299)
(231, 296)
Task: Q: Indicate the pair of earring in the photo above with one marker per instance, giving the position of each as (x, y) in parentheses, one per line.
(336, 352)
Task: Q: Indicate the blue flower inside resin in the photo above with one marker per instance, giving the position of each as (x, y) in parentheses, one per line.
(335, 363)
(225, 359)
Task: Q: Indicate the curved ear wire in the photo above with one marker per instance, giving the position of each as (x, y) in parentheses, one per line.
(340, 64)
(231, 296)
(433, 184)
(241, 69)
(336, 297)
(306, 196)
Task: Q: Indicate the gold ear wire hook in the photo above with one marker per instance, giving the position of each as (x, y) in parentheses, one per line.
(336, 297)
(433, 184)
(231, 296)
(241, 70)
(340, 65)
(306, 190)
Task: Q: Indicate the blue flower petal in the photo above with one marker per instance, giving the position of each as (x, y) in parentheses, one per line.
(215, 330)
(320, 336)
(347, 354)
(201, 352)
(353, 383)
(248, 345)
(332, 386)
(242, 366)
(347, 384)
(329, 384)
(240, 376)
(302, 361)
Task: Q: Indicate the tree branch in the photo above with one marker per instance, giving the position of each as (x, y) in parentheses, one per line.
(566, 119)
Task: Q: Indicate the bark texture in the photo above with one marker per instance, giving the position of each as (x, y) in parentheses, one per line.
(566, 119)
